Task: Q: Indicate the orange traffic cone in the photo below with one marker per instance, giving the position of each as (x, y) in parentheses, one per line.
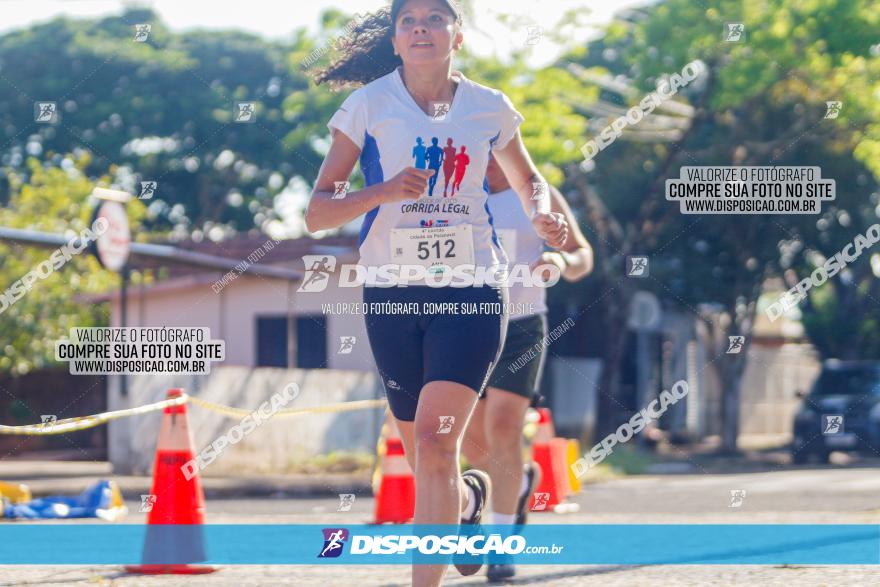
(396, 498)
(550, 454)
(388, 429)
(174, 523)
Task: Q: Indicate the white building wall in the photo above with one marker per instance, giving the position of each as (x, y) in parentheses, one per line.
(232, 315)
(772, 377)
(277, 445)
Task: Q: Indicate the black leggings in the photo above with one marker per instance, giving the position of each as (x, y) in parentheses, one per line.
(459, 342)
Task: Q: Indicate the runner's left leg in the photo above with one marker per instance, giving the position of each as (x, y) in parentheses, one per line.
(504, 417)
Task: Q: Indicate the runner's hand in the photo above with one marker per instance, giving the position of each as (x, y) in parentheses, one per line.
(552, 227)
(409, 184)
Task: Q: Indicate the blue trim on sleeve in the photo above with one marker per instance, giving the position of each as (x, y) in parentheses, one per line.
(371, 167)
(494, 140)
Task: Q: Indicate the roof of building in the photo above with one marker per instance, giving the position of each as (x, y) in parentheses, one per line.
(254, 250)
(266, 251)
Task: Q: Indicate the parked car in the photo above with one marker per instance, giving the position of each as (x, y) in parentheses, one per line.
(841, 412)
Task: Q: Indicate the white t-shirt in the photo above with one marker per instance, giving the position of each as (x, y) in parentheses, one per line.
(383, 119)
(523, 247)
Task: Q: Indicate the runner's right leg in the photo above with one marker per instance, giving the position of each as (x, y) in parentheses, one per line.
(441, 496)
(407, 436)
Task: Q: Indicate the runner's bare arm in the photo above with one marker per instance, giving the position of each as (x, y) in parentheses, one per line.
(522, 174)
(325, 212)
(577, 254)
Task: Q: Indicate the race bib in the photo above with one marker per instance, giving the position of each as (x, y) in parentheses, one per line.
(433, 247)
(507, 238)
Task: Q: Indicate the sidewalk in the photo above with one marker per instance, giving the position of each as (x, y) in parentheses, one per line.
(56, 473)
(754, 454)
(51, 477)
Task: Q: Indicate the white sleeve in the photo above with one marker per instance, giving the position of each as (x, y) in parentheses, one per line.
(351, 118)
(510, 119)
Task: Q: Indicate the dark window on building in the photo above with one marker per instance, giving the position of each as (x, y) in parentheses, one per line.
(311, 342)
(272, 342)
(310, 336)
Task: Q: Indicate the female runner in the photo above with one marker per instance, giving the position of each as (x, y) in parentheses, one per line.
(433, 366)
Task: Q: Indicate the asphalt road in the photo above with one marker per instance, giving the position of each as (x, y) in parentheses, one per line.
(803, 495)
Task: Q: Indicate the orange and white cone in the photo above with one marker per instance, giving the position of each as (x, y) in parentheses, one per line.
(550, 454)
(174, 537)
(396, 496)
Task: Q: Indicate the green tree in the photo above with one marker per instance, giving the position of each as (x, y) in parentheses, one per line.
(762, 102)
(56, 200)
(160, 110)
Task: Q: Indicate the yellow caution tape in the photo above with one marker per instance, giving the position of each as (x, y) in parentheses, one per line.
(83, 422)
(332, 408)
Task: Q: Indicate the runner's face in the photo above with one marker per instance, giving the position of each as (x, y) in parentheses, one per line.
(426, 32)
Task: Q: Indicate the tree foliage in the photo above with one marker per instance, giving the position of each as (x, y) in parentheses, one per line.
(56, 199)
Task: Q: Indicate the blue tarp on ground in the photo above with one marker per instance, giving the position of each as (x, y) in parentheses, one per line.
(101, 500)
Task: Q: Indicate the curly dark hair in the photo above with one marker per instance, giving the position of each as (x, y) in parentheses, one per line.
(366, 52)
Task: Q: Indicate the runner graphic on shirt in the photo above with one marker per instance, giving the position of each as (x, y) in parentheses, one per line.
(418, 153)
(462, 160)
(435, 158)
(448, 164)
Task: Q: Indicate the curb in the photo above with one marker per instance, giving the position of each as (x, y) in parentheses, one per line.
(214, 488)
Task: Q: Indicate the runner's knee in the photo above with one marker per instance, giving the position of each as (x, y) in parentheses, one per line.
(504, 426)
(436, 452)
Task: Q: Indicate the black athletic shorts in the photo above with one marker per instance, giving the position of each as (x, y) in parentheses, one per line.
(458, 342)
(522, 361)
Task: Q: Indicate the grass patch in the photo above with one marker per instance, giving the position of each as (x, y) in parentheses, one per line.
(625, 460)
(335, 462)
(628, 460)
